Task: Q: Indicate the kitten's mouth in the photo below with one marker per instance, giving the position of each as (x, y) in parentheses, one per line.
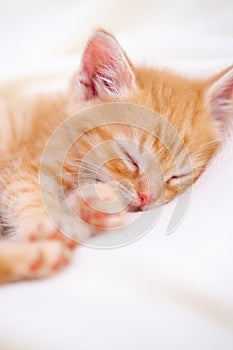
(135, 208)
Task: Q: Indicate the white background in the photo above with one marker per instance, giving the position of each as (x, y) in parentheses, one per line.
(163, 292)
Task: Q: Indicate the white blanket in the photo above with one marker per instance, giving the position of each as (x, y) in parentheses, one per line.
(165, 292)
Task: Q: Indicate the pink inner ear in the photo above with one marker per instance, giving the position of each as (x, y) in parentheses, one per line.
(103, 61)
(221, 94)
(226, 93)
(96, 56)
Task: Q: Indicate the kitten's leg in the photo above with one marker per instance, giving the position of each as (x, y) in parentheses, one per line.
(23, 203)
(27, 260)
(23, 206)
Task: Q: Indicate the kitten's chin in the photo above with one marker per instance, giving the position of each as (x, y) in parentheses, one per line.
(133, 208)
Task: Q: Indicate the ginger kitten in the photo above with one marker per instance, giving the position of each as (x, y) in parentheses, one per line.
(198, 110)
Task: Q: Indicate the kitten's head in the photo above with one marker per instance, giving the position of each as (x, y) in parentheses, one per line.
(197, 110)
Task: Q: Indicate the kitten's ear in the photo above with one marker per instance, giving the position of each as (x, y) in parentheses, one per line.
(105, 69)
(219, 97)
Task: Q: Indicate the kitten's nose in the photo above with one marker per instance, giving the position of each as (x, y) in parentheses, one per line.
(139, 205)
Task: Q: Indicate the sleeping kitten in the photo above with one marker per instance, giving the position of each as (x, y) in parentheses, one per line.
(198, 109)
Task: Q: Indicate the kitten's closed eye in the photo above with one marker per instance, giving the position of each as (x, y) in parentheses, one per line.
(176, 180)
(130, 158)
(133, 162)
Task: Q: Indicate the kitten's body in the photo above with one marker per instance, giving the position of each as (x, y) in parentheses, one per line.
(194, 108)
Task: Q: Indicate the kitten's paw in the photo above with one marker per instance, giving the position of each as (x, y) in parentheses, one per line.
(32, 260)
(35, 226)
(98, 206)
(38, 226)
(49, 257)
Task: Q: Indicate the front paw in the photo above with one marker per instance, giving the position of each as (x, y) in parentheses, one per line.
(37, 225)
(99, 206)
(26, 260)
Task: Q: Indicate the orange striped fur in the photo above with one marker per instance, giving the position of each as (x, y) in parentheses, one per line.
(197, 109)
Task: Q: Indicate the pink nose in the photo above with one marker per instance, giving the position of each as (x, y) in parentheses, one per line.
(144, 198)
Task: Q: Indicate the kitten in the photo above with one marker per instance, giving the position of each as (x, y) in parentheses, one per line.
(198, 109)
